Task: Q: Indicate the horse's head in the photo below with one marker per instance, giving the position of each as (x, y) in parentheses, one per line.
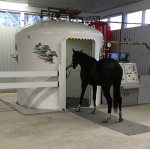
(76, 58)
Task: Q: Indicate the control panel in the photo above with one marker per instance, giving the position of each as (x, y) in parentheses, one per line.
(130, 74)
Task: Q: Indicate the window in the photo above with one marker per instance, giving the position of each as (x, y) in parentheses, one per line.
(28, 18)
(116, 26)
(147, 14)
(135, 17)
(5, 20)
(65, 19)
(74, 20)
(104, 20)
(45, 18)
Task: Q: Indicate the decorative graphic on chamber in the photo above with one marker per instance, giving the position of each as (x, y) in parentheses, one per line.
(44, 52)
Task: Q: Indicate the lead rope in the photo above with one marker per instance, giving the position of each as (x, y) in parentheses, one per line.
(69, 72)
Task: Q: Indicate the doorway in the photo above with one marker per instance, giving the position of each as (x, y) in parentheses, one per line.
(73, 82)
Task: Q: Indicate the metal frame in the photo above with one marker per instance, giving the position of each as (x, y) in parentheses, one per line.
(13, 19)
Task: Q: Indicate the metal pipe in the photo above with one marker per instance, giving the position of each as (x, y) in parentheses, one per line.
(133, 43)
(13, 19)
(120, 35)
(127, 23)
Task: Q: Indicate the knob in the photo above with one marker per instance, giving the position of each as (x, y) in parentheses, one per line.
(123, 79)
(133, 78)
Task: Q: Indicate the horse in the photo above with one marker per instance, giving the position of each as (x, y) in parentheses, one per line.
(105, 73)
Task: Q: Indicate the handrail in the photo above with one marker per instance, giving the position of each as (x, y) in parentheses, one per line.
(28, 74)
(28, 84)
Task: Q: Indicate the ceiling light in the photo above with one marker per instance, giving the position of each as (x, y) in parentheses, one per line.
(10, 4)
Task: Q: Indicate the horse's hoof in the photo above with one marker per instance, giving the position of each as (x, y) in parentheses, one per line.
(92, 112)
(78, 111)
(120, 120)
(105, 121)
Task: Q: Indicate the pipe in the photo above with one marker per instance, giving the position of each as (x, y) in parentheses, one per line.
(127, 23)
(120, 36)
(41, 16)
(124, 42)
(64, 10)
(120, 29)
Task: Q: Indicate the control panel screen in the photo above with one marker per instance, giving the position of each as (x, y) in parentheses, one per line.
(112, 55)
(124, 57)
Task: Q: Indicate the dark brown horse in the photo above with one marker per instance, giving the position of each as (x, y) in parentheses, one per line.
(105, 72)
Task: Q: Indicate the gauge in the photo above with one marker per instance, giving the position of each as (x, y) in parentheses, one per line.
(108, 45)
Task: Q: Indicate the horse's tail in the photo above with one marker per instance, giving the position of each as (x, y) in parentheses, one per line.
(116, 93)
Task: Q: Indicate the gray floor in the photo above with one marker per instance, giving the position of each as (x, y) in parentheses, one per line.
(67, 130)
(25, 110)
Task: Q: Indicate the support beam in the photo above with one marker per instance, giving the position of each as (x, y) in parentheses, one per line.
(32, 19)
(13, 19)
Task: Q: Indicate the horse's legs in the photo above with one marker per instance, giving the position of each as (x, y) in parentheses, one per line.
(120, 113)
(83, 85)
(118, 97)
(94, 98)
(106, 91)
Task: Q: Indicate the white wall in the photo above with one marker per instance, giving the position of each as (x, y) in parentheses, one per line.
(139, 54)
(7, 47)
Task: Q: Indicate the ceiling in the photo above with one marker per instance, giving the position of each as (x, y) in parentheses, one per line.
(89, 6)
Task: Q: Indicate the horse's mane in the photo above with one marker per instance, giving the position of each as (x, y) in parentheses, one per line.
(87, 57)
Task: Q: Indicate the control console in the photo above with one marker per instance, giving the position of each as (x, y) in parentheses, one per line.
(130, 73)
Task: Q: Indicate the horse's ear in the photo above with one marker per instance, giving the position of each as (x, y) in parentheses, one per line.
(73, 50)
(81, 51)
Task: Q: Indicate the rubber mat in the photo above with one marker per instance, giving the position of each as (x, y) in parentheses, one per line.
(126, 127)
(73, 102)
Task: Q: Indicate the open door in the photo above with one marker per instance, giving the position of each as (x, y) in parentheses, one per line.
(73, 82)
(72, 86)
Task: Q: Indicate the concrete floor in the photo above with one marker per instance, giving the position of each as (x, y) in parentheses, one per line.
(64, 130)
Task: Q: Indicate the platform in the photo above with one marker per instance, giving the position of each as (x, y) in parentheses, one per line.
(133, 86)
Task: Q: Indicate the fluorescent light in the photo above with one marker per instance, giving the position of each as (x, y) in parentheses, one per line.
(10, 4)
